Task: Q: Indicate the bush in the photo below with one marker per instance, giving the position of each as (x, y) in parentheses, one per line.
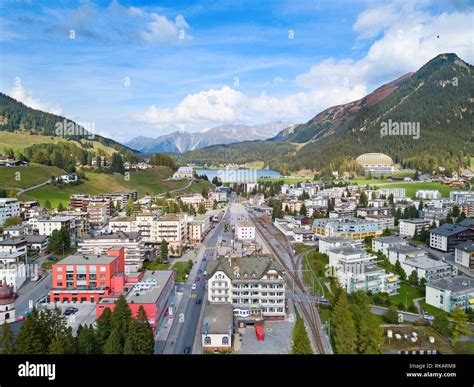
(378, 300)
(401, 306)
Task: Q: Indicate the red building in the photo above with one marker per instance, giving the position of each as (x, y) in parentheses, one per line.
(153, 290)
(85, 278)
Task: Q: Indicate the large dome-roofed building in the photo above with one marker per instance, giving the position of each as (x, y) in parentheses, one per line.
(377, 163)
(7, 303)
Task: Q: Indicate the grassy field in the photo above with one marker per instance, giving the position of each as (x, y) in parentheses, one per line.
(24, 177)
(145, 182)
(21, 140)
(406, 293)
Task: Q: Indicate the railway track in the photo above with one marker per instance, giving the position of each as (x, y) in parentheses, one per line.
(296, 284)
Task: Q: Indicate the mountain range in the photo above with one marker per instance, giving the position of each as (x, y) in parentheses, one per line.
(437, 98)
(181, 141)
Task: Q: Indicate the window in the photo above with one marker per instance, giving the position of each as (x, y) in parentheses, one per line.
(225, 340)
(103, 268)
(207, 340)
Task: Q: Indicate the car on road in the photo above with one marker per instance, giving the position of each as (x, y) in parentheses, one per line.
(194, 287)
(199, 271)
(427, 316)
(323, 301)
(51, 258)
(197, 279)
(70, 310)
(204, 258)
(198, 301)
(187, 350)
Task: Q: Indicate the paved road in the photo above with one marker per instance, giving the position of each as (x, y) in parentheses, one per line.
(185, 326)
(22, 191)
(32, 291)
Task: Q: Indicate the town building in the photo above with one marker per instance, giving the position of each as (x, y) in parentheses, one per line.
(382, 244)
(427, 268)
(8, 207)
(154, 228)
(47, 224)
(447, 236)
(448, 293)
(412, 227)
(327, 243)
(135, 250)
(7, 304)
(99, 213)
(348, 228)
(245, 231)
(217, 328)
(87, 278)
(152, 290)
(402, 253)
(252, 284)
(464, 255)
(429, 194)
(198, 228)
(183, 173)
(196, 200)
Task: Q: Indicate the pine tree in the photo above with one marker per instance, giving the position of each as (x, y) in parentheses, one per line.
(140, 336)
(47, 204)
(29, 339)
(113, 345)
(60, 207)
(129, 207)
(121, 319)
(460, 326)
(7, 340)
(62, 343)
(343, 327)
(104, 327)
(301, 343)
(86, 340)
(164, 250)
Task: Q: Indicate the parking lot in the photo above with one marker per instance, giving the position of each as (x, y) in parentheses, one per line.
(85, 314)
(278, 336)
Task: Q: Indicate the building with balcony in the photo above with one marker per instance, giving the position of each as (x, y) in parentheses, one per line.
(464, 255)
(252, 284)
(410, 227)
(447, 236)
(135, 249)
(402, 253)
(382, 244)
(87, 278)
(448, 293)
(353, 228)
(8, 207)
(198, 227)
(427, 268)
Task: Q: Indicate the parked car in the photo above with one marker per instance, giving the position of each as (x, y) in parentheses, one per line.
(198, 301)
(70, 310)
(194, 287)
(51, 258)
(199, 271)
(187, 350)
(197, 279)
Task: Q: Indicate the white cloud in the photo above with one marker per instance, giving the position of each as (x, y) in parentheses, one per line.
(162, 29)
(26, 96)
(406, 35)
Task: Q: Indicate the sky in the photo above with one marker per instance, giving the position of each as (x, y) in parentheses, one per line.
(146, 68)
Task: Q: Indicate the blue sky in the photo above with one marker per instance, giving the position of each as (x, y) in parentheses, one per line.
(148, 68)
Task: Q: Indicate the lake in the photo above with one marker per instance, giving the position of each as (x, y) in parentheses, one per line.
(237, 175)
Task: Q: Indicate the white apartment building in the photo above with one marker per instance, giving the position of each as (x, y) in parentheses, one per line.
(356, 270)
(427, 268)
(132, 242)
(245, 231)
(448, 293)
(45, 225)
(8, 207)
(464, 254)
(428, 194)
(153, 229)
(396, 192)
(196, 199)
(384, 243)
(410, 227)
(252, 284)
(402, 253)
